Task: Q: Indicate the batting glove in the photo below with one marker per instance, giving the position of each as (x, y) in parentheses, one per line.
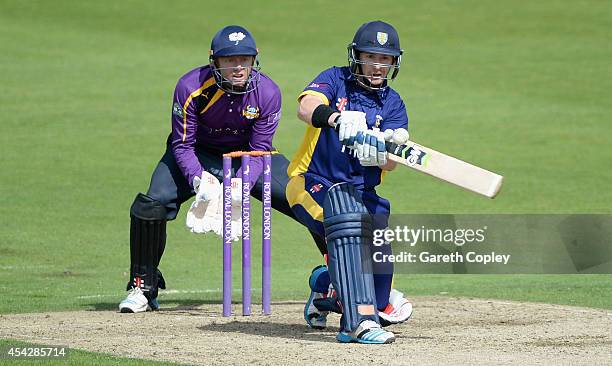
(349, 124)
(370, 148)
(206, 187)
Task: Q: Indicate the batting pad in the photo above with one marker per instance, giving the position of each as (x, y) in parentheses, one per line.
(348, 230)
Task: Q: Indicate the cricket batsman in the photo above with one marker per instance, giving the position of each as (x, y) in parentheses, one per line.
(351, 111)
(227, 105)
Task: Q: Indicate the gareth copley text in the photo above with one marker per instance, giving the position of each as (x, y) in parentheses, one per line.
(426, 257)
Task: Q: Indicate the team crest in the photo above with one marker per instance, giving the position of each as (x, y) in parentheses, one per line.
(341, 104)
(378, 121)
(250, 112)
(177, 110)
(382, 37)
(236, 37)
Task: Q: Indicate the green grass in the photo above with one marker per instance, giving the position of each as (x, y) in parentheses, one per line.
(522, 89)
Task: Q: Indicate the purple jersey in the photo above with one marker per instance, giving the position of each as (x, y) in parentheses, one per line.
(204, 116)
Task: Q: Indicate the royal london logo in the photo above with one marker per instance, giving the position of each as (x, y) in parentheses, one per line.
(341, 104)
(250, 112)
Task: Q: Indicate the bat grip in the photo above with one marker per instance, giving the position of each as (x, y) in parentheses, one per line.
(391, 147)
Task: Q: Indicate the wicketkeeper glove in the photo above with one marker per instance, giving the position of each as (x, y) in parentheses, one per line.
(205, 216)
(206, 187)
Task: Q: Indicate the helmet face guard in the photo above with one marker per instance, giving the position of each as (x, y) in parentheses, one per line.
(357, 71)
(226, 85)
(234, 40)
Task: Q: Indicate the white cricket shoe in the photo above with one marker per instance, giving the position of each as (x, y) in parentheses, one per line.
(368, 332)
(397, 311)
(136, 302)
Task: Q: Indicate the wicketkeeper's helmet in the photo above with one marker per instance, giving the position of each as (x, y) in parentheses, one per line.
(234, 40)
(375, 37)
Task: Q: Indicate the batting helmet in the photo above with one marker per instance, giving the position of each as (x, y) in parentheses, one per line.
(375, 37)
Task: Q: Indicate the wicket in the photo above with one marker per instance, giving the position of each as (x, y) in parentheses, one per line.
(266, 229)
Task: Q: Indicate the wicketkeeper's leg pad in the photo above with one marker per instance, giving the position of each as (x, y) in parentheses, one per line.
(147, 244)
(348, 231)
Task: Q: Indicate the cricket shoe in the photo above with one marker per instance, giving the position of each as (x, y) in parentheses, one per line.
(368, 332)
(137, 302)
(397, 311)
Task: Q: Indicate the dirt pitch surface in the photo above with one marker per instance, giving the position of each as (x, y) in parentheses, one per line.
(442, 330)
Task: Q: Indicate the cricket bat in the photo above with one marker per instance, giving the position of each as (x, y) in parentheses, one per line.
(446, 168)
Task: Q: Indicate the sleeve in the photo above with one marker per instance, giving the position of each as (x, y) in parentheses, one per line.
(323, 86)
(397, 116)
(184, 127)
(263, 133)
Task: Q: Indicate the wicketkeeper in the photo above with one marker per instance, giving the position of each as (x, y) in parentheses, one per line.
(350, 112)
(227, 105)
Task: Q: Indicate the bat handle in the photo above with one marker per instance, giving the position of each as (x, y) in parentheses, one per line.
(390, 146)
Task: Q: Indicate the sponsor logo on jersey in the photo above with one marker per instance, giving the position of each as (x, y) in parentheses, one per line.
(177, 110)
(250, 112)
(316, 188)
(341, 104)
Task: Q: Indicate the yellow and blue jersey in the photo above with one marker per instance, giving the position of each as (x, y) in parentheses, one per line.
(320, 161)
(321, 152)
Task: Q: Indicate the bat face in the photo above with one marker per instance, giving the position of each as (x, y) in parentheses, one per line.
(446, 168)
